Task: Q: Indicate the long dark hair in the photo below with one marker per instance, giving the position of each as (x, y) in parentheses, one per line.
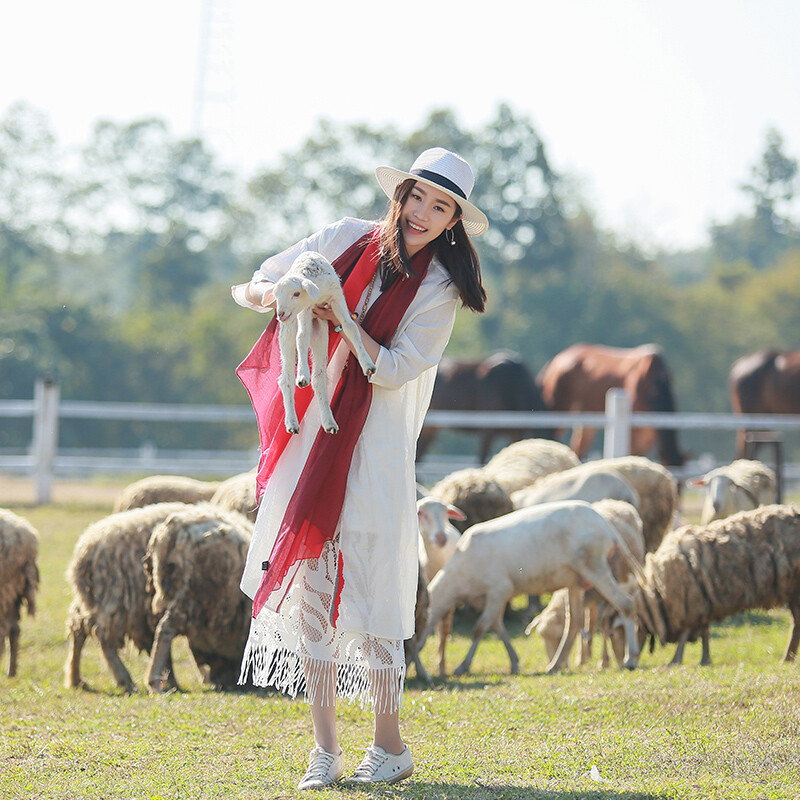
(460, 259)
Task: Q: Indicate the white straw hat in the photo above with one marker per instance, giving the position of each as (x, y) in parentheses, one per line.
(446, 171)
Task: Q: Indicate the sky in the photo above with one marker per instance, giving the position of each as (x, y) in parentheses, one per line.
(657, 110)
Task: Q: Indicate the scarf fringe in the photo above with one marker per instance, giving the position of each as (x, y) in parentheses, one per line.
(378, 690)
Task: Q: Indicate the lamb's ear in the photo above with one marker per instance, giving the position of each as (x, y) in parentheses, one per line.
(697, 483)
(453, 512)
(311, 288)
(268, 298)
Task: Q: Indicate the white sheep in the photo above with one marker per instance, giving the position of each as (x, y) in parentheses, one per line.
(739, 486)
(577, 484)
(19, 579)
(238, 493)
(310, 281)
(164, 489)
(533, 550)
(522, 463)
(475, 494)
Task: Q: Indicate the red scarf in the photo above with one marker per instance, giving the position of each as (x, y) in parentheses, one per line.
(315, 507)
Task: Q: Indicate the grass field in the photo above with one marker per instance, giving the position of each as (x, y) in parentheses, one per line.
(731, 730)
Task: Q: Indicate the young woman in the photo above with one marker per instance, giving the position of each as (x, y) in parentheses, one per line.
(332, 567)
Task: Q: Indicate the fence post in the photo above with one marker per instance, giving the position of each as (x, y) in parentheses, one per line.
(617, 440)
(45, 437)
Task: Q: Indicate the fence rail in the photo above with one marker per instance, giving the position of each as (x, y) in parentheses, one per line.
(44, 459)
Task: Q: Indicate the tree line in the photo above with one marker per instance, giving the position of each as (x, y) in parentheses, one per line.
(116, 260)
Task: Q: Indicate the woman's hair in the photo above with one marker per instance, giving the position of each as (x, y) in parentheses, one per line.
(460, 260)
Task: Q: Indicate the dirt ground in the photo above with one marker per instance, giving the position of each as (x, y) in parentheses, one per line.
(20, 490)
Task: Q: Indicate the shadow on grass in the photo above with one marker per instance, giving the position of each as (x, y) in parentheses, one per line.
(492, 791)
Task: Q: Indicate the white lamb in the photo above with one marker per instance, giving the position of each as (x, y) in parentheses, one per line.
(310, 281)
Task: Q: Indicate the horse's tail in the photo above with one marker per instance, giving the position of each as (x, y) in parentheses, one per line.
(662, 399)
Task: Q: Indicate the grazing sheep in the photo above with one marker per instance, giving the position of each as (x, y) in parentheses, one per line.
(577, 484)
(238, 494)
(411, 646)
(703, 574)
(437, 543)
(552, 620)
(19, 579)
(194, 562)
(310, 281)
(522, 463)
(164, 489)
(109, 587)
(533, 550)
(739, 486)
(479, 497)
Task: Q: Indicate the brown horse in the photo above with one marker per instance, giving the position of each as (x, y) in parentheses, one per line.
(578, 378)
(765, 382)
(500, 382)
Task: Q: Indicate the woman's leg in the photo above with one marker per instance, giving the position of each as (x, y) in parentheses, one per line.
(321, 691)
(386, 698)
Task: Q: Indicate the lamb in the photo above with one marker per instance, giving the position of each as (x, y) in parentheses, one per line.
(194, 561)
(238, 494)
(310, 281)
(522, 463)
(478, 496)
(19, 579)
(738, 486)
(438, 540)
(703, 574)
(533, 550)
(164, 489)
(577, 484)
(110, 597)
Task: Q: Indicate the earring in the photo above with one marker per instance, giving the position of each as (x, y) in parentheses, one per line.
(450, 235)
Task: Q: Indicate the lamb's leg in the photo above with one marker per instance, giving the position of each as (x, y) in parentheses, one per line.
(351, 332)
(13, 649)
(591, 613)
(287, 344)
(605, 583)
(794, 637)
(305, 328)
(118, 670)
(631, 657)
(492, 611)
(677, 659)
(445, 626)
(572, 625)
(160, 666)
(319, 374)
(705, 656)
(501, 632)
(72, 667)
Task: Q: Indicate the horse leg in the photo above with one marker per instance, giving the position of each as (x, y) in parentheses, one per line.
(582, 439)
(642, 440)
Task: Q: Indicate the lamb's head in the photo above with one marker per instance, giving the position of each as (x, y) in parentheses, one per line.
(293, 294)
(432, 516)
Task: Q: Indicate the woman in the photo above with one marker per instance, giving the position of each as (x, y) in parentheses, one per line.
(332, 567)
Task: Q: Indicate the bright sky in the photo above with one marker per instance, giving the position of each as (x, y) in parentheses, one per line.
(658, 107)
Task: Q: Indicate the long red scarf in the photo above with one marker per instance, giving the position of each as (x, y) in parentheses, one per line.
(314, 509)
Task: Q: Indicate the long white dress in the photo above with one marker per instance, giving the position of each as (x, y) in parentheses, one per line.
(293, 638)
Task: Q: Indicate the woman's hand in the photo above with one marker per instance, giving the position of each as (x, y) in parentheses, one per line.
(324, 311)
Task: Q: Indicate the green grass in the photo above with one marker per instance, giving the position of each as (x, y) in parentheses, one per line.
(731, 730)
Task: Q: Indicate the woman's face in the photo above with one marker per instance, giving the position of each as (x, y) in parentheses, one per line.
(425, 214)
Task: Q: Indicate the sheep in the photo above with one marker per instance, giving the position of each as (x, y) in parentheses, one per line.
(437, 543)
(238, 494)
(703, 574)
(411, 646)
(577, 484)
(194, 561)
(164, 489)
(521, 463)
(738, 486)
(110, 598)
(532, 550)
(19, 579)
(551, 621)
(478, 496)
(310, 281)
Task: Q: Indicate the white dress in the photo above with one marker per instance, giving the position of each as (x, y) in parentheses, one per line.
(293, 637)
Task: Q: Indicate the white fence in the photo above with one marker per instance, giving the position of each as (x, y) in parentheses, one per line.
(44, 459)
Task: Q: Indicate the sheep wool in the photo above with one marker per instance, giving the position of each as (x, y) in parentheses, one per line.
(522, 463)
(164, 489)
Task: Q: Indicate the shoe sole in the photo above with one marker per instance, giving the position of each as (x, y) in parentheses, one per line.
(403, 775)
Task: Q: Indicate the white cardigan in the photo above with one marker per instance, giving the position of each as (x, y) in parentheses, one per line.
(378, 526)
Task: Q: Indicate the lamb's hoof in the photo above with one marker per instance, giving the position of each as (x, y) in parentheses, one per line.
(303, 382)
(331, 429)
(369, 371)
(292, 429)
(460, 670)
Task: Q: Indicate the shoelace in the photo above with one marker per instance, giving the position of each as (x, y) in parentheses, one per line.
(320, 763)
(370, 764)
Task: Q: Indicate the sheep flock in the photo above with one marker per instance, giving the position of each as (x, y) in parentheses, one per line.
(598, 539)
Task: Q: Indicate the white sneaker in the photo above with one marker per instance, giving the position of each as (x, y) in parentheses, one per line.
(378, 766)
(324, 768)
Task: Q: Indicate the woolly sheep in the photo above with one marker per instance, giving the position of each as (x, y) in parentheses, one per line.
(411, 646)
(478, 496)
(522, 463)
(109, 587)
(238, 494)
(194, 562)
(164, 489)
(739, 486)
(703, 574)
(19, 579)
(533, 550)
(310, 281)
(577, 484)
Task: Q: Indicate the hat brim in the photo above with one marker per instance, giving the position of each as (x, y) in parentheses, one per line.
(474, 220)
